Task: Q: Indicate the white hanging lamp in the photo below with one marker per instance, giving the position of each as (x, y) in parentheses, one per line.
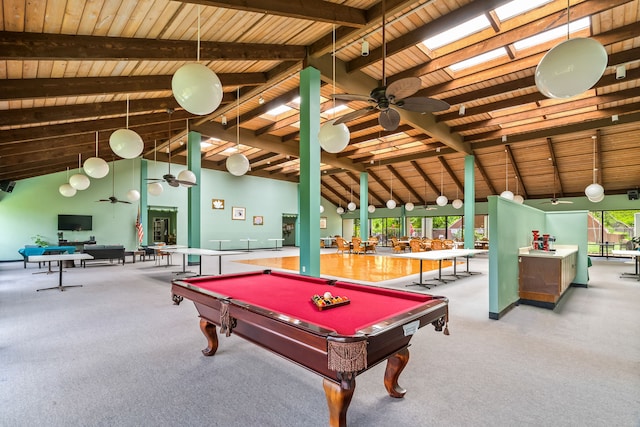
(321, 209)
(391, 204)
(237, 163)
(442, 199)
(333, 138)
(196, 87)
(66, 189)
(571, 67)
(518, 198)
(351, 206)
(595, 191)
(96, 167)
(457, 203)
(155, 188)
(506, 193)
(125, 142)
(79, 181)
(133, 195)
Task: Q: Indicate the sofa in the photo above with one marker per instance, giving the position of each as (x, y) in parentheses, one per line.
(103, 253)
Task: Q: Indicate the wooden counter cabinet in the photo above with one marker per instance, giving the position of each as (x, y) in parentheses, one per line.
(545, 276)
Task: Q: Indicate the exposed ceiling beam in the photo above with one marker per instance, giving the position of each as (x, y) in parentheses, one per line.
(312, 10)
(22, 45)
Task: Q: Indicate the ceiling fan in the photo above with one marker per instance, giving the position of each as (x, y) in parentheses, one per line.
(389, 99)
(169, 178)
(554, 200)
(113, 199)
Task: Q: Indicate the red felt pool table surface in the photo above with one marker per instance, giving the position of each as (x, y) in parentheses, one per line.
(291, 295)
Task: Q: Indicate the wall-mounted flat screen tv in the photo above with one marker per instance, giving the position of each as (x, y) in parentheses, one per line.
(75, 222)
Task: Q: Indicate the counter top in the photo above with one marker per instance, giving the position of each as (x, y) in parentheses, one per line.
(561, 251)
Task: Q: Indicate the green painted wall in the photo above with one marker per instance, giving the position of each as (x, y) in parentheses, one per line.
(32, 208)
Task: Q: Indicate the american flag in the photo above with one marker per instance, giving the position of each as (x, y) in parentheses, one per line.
(139, 228)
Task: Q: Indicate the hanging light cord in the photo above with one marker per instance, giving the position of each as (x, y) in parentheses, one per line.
(198, 54)
(127, 111)
(238, 119)
(594, 159)
(333, 59)
(506, 170)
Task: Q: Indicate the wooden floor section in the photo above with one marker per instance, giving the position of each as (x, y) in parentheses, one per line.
(368, 268)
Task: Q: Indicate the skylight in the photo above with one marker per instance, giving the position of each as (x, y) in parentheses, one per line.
(279, 110)
(335, 109)
(555, 33)
(518, 7)
(479, 59)
(458, 32)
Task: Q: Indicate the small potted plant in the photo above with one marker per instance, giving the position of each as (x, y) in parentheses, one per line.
(39, 240)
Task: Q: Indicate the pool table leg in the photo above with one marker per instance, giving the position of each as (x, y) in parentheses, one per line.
(209, 331)
(338, 398)
(395, 366)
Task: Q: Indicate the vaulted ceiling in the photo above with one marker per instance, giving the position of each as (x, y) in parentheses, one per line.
(67, 69)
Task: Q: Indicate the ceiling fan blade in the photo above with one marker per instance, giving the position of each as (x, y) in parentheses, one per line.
(123, 201)
(353, 115)
(389, 119)
(404, 87)
(103, 200)
(422, 104)
(154, 179)
(173, 183)
(350, 97)
(566, 202)
(186, 183)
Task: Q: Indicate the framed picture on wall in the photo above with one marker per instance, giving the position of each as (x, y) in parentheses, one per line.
(258, 220)
(323, 222)
(238, 213)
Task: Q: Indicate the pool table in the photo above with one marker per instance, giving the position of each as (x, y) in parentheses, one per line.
(275, 311)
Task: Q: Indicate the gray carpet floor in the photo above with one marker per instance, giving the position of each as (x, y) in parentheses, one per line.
(117, 352)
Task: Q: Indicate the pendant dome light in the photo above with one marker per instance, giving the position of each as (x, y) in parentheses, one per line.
(595, 191)
(125, 142)
(442, 199)
(457, 203)
(391, 204)
(333, 138)
(351, 206)
(196, 87)
(133, 195)
(571, 67)
(506, 193)
(321, 209)
(155, 188)
(237, 163)
(518, 198)
(66, 189)
(79, 181)
(96, 167)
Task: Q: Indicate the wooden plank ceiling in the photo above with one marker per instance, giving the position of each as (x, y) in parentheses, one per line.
(68, 67)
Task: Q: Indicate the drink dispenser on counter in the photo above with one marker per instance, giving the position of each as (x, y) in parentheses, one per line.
(542, 243)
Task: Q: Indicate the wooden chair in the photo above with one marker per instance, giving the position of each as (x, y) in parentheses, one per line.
(395, 246)
(448, 244)
(426, 244)
(416, 245)
(343, 245)
(436, 244)
(357, 247)
(371, 245)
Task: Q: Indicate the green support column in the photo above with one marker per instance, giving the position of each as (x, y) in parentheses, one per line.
(194, 199)
(364, 204)
(469, 201)
(144, 213)
(309, 172)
